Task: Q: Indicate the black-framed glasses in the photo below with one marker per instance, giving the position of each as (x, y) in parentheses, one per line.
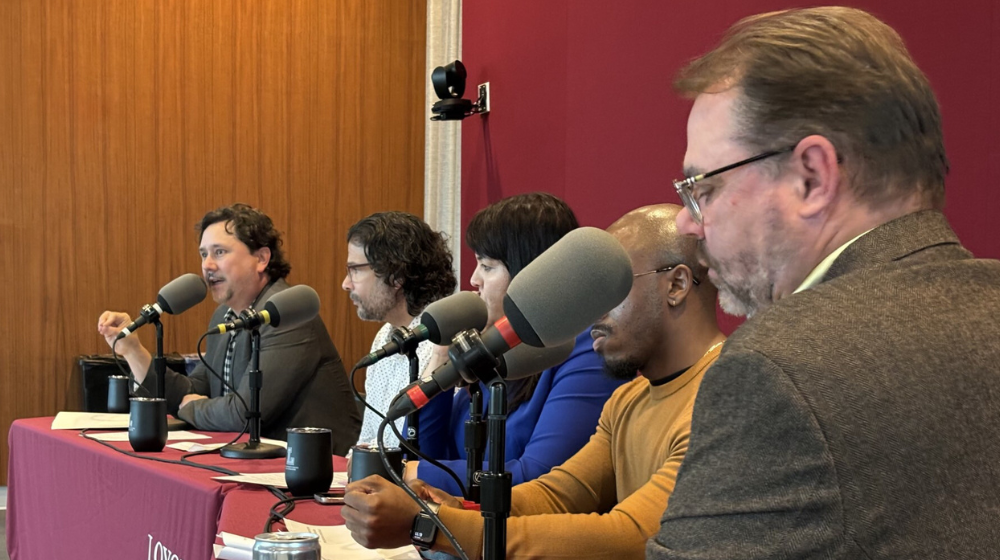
(352, 269)
(684, 186)
(667, 268)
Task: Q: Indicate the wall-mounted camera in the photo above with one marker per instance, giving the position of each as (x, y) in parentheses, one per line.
(449, 86)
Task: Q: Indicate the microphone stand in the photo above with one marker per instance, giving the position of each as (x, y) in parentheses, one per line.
(253, 449)
(475, 441)
(159, 362)
(413, 418)
(496, 482)
(470, 355)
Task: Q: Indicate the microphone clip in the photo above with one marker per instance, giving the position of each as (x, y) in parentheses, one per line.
(250, 317)
(402, 340)
(405, 339)
(150, 312)
(470, 356)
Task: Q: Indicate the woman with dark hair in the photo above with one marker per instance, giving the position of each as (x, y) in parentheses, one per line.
(551, 415)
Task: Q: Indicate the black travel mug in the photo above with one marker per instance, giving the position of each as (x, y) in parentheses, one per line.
(118, 394)
(365, 461)
(309, 461)
(147, 424)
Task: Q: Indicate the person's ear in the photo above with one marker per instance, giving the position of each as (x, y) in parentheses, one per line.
(263, 258)
(818, 176)
(681, 282)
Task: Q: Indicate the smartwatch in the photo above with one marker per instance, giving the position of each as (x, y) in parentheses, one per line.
(424, 529)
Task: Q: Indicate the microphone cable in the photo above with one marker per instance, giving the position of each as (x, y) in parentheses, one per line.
(246, 425)
(402, 442)
(227, 384)
(222, 470)
(185, 459)
(413, 495)
(286, 502)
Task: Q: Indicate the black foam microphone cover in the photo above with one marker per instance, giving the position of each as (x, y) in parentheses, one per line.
(448, 316)
(182, 293)
(565, 289)
(292, 307)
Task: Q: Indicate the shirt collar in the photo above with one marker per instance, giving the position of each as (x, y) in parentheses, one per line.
(255, 301)
(817, 274)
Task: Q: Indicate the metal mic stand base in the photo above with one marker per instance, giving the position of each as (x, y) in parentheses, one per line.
(252, 450)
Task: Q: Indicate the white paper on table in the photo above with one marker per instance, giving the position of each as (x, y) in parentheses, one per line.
(276, 479)
(233, 547)
(193, 446)
(226, 553)
(95, 420)
(277, 442)
(123, 436)
(336, 543)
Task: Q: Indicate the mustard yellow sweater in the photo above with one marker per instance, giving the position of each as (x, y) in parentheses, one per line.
(607, 500)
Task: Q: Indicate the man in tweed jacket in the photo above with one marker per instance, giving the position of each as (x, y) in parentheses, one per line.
(856, 413)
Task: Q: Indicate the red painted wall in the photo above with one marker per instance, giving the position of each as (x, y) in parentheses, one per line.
(582, 105)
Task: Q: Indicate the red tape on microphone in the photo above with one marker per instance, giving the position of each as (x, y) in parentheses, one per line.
(417, 397)
(507, 332)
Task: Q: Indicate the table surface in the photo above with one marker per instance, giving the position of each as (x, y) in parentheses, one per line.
(72, 497)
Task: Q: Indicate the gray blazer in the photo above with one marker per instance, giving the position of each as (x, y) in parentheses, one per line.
(857, 419)
(304, 383)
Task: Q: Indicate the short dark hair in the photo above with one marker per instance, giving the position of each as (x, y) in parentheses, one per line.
(514, 231)
(517, 229)
(403, 248)
(840, 73)
(254, 229)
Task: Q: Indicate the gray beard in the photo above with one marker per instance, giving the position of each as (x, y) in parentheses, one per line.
(751, 293)
(739, 301)
(375, 310)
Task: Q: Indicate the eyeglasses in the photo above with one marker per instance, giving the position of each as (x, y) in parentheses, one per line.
(684, 186)
(665, 269)
(352, 269)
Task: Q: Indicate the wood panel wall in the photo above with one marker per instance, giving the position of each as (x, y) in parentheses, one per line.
(123, 121)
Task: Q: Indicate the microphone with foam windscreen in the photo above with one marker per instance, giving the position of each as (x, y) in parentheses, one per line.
(563, 291)
(567, 288)
(519, 362)
(287, 308)
(439, 322)
(179, 295)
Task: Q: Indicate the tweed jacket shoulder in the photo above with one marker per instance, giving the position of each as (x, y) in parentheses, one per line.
(857, 419)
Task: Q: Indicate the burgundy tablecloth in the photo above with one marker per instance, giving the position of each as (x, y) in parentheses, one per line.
(69, 497)
(245, 509)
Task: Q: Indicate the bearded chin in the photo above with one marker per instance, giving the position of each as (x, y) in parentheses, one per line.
(625, 369)
(735, 305)
(746, 298)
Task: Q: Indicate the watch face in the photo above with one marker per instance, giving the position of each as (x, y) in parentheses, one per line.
(424, 530)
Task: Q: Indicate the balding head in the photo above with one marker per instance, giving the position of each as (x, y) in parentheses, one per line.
(650, 234)
(670, 304)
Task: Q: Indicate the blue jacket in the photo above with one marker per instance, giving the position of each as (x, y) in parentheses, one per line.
(543, 432)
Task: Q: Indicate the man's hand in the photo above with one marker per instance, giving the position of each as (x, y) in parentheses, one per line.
(109, 324)
(190, 398)
(378, 513)
(429, 493)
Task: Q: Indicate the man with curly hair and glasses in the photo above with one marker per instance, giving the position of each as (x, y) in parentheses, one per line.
(304, 383)
(397, 266)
